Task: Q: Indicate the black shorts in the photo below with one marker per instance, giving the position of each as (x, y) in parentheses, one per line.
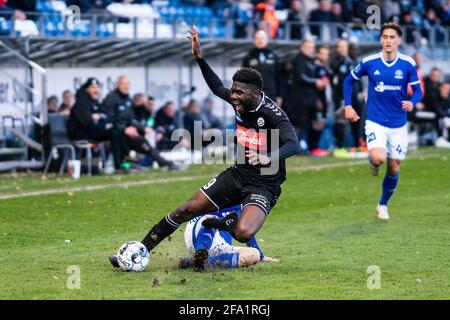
(229, 189)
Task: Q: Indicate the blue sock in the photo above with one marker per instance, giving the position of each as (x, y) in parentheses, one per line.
(389, 185)
(224, 261)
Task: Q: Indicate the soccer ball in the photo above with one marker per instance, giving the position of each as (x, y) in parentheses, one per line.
(133, 256)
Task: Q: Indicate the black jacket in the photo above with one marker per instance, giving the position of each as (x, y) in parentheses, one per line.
(303, 94)
(266, 62)
(80, 124)
(119, 108)
(165, 125)
(340, 67)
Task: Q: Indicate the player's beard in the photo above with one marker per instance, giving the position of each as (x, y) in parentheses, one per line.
(245, 105)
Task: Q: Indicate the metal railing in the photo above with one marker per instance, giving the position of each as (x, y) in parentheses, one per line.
(110, 26)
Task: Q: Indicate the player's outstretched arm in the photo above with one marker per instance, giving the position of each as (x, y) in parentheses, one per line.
(212, 80)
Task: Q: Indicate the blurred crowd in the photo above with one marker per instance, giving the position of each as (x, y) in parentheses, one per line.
(281, 17)
(308, 88)
(135, 130)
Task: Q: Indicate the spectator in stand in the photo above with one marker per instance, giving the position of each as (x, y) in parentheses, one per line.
(265, 12)
(140, 113)
(432, 24)
(341, 64)
(407, 22)
(144, 110)
(266, 62)
(192, 122)
(302, 103)
(336, 13)
(345, 7)
(443, 114)
(239, 11)
(432, 83)
(68, 101)
(391, 9)
(295, 19)
(210, 120)
(165, 125)
(52, 104)
(87, 121)
(118, 106)
(320, 16)
(444, 11)
(144, 114)
(432, 102)
(318, 122)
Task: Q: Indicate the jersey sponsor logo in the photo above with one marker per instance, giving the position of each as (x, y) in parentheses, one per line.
(398, 74)
(260, 121)
(381, 87)
(251, 139)
(377, 72)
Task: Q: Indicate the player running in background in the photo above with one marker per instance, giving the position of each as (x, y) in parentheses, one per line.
(221, 253)
(265, 138)
(389, 73)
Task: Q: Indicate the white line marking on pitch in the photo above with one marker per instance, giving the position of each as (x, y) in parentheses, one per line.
(99, 187)
(181, 179)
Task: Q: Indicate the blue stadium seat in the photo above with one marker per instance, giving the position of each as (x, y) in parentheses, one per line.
(5, 26)
(102, 30)
(44, 6)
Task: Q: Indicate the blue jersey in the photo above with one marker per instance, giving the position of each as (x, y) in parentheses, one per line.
(388, 84)
(201, 237)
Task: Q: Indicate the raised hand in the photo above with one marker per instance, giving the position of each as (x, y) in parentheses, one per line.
(194, 37)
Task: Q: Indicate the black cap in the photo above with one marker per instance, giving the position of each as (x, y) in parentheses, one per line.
(91, 81)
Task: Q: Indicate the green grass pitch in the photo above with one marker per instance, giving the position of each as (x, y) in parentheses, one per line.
(323, 230)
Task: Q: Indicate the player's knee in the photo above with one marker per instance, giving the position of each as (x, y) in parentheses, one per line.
(393, 170)
(186, 212)
(243, 234)
(377, 159)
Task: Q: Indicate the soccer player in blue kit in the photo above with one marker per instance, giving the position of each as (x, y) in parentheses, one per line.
(389, 73)
(222, 254)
